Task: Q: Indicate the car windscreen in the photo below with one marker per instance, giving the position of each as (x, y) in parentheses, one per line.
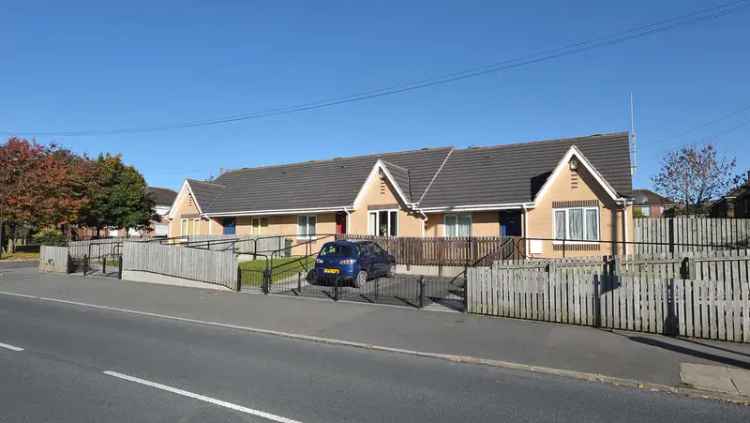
(339, 250)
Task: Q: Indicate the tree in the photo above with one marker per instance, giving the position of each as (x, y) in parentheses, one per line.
(694, 175)
(39, 186)
(118, 196)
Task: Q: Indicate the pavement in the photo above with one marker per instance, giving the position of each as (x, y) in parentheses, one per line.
(635, 356)
(64, 362)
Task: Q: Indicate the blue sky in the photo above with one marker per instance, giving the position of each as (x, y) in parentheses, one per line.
(106, 65)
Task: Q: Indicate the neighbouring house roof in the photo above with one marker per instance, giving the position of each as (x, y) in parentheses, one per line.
(645, 196)
(162, 196)
(514, 173)
(432, 177)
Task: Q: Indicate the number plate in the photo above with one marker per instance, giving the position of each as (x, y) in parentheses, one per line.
(334, 271)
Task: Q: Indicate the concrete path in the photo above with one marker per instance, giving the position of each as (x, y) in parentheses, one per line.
(643, 357)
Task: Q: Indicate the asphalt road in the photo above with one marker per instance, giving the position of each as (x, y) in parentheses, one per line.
(168, 371)
(10, 265)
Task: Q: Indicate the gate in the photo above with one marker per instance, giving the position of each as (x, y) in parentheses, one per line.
(96, 257)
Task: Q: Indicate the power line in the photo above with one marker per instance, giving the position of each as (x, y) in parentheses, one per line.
(709, 123)
(700, 15)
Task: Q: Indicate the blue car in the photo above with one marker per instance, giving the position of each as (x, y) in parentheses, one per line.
(354, 262)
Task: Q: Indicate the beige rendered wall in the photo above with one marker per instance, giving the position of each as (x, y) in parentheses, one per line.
(286, 225)
(186, 207)
(577, 186)
(379, 192)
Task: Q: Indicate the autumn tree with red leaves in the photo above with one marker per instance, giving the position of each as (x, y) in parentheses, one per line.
(41, 186)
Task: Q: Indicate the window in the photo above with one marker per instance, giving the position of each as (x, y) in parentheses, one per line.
(382, 223)
(188, 226)
(645, 211)
(230, 226)
(457, 225)
(306, 226)
(196, 226)
(257, 224)
(576, 223)
(339, 250)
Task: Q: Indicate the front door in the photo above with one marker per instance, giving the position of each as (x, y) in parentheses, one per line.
(510, 223)
(340, 223)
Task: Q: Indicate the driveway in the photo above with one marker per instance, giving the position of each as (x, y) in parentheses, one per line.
(401, 289)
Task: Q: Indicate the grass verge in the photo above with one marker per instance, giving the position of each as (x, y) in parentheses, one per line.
(251, 272)
(18, 255)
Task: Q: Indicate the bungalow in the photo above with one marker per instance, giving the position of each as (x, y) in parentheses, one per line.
(575, 189)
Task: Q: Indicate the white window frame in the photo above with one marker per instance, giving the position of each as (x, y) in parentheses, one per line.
(585, 228)
(258, 229)
(376, 213)
(445, 224)
(196, 225)
(184, 227)
(307, 235)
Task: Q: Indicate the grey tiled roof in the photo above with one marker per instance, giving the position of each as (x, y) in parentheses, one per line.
(513, 173)
(401, 177)
(205, 192)
(319, 184)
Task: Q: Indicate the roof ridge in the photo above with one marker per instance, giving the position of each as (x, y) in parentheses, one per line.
(362, 156)
(390, 164)
(434, 177)
(205, 182)
(547, 141)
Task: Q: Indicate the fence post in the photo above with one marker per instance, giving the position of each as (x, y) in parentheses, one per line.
(336, 289)
(119, 268)
(266, 280)
(299, 283)
(85, 265)
(466, 289)
(671, 325)
(104, 265)
(685, 268)
(421, 291)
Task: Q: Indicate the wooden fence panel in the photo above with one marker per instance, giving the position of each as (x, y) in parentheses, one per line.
(633, 293)
(216, 267)
(54, 259)
(690, 234)
(459, 251)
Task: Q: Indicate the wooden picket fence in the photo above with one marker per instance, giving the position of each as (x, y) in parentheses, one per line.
(698, 295)
(688, 234)
(455, 251)
(215, 267)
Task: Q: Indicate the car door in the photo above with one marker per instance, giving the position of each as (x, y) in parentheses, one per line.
(380, 260)
(366, 257)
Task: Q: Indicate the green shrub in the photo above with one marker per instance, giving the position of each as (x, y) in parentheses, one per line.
(49, 236)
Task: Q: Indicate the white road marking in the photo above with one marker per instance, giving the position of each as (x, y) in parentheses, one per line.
(199, 397)
(10, 347)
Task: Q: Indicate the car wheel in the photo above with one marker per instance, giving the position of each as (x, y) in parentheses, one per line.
(391, 270)
(361, 279)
